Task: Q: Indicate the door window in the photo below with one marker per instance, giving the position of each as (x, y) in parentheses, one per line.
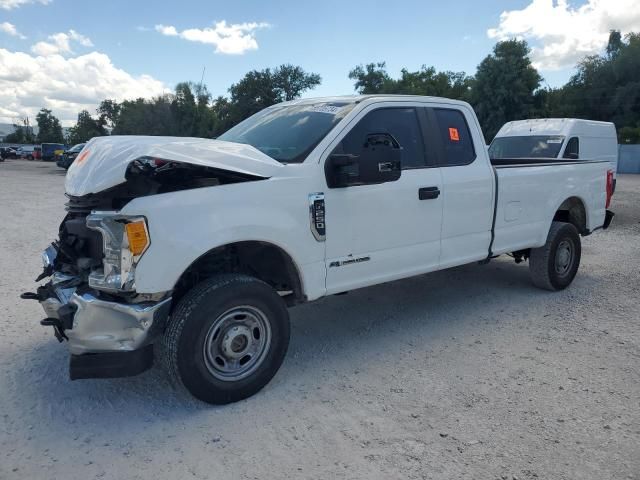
(456, 137)
(401, 123)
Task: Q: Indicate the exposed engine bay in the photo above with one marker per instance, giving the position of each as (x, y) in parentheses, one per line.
(80, 248)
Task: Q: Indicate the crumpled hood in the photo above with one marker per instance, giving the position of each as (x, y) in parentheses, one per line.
(103, 161)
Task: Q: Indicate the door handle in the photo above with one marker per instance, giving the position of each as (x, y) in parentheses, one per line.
(428, 193)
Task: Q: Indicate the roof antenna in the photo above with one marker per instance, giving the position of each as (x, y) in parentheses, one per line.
(196, 111)
(204, 67)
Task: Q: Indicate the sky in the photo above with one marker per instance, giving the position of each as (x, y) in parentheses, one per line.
(67, 55)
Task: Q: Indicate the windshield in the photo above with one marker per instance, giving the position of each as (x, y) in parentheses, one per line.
(76, 148)
(530, 146)
(288, 133)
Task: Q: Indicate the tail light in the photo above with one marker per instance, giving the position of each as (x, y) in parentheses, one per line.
(609, 187)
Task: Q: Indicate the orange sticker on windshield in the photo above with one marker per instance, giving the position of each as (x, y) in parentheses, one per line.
(82, 157)
(453, 134)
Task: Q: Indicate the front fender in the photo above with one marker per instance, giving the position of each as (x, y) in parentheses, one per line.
(185, 225)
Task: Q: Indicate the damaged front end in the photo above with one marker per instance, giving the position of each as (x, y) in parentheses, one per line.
(90, 299)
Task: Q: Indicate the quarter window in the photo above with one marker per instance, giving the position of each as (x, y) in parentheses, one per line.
(572, 150)
(456, 137)
(401, 123)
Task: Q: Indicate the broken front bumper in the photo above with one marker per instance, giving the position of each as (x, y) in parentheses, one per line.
(103, 326)
(106, 338)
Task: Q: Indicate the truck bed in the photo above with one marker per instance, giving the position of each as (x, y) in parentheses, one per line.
(530, 191)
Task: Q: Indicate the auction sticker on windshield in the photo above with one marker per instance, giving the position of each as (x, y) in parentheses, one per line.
(332, 109)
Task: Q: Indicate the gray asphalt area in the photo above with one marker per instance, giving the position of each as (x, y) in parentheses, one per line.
(466, 373)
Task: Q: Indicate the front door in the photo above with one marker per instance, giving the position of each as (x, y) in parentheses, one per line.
(381, 232)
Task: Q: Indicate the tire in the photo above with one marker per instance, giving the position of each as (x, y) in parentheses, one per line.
(212, 331)
(554, 265)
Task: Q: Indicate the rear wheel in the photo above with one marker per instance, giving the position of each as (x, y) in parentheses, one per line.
(226, 338)
(554, 265)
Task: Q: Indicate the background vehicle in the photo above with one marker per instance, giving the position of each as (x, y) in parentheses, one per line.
(566, 138)
(66, 159)
(200, 245)
(7, 152)
(57, 154)
(27, 152)
(48, 150)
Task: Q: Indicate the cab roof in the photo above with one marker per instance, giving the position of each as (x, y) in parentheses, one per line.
(372, 99)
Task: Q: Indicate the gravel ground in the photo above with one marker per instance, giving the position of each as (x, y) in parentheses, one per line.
(465, 373)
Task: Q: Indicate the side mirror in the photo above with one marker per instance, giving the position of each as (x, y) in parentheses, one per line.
(379, 162)
(573, 156)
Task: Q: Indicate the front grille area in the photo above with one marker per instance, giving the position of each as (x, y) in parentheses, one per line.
(80, 246)
(82, 205)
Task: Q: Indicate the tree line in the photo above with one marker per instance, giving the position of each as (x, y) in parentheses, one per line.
(506, 86)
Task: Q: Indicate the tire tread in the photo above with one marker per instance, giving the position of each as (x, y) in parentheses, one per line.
(539, 258)
(168, 347)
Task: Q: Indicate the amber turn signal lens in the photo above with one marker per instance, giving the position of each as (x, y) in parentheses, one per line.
(138, 238)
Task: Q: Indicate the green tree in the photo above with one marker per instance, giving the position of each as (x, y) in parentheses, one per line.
(259, 89)
(605, 87)
(21, 134)
(193, 115)
(109, 111)
(154, 116)
(222, 115)
(205, 121)
(185, 113)
(374, 79)
(184, 109)
(190, 110)
(16, 136)
(504, 86)
(291, 81)
(85, 129)
(49, 128)
(615, 43)
(629, 134)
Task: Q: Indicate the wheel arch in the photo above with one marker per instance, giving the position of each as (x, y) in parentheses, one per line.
(572, 210)
(261, 259)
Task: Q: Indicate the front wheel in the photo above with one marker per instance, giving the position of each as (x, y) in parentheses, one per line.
(554, 265)
(226, 338)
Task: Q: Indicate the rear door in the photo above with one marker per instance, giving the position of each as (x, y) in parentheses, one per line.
(468, 184)
(381, 232)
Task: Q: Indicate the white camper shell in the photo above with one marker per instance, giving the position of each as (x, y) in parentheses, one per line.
(559, 138)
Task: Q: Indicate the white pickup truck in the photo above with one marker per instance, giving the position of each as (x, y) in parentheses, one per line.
(199, 246)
